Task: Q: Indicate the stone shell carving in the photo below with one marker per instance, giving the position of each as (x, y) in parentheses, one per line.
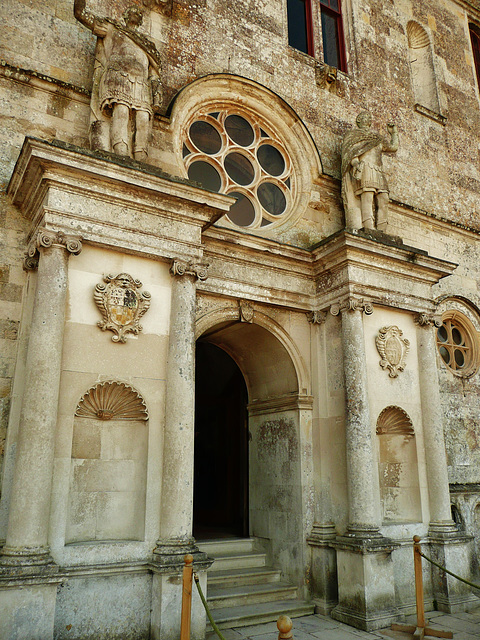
(112, 400)
(394, 420)
(121, 305)
(393, 349)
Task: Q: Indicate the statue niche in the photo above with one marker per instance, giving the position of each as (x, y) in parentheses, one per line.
(364, 185)
(126, 83)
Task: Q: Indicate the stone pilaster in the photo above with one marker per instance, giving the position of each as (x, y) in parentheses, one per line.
(27, 533)
(363, 552)
(449, 547)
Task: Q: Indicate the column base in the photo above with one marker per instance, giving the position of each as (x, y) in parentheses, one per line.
(453, 550)
(172, 552)
(366, 590)
(323, 579)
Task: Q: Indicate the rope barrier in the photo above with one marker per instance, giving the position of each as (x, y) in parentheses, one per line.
(470, 584)
(209, 615)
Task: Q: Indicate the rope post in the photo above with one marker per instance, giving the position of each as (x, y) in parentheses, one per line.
(186, 598)
(420, 630)
(284, 626)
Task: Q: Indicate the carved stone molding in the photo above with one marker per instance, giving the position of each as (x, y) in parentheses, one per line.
(316, 317)
(393, 349)
(428, 320)
(394, 420)
(180, 268)
(246, 311)
(112, 401)
(350, 305)
(44, 239)
(121, 305)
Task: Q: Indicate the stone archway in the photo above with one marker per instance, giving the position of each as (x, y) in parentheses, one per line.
(278, 426)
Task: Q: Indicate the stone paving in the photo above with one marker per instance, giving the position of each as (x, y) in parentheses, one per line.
(465, 626)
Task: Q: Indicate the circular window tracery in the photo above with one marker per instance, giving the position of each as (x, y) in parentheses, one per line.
(229, 151)
(457, 344)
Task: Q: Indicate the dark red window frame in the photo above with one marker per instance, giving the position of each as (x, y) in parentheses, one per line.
(293, 26)
(475, 38)
(333, 9)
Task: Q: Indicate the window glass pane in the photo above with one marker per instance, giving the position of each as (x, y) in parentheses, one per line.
(271, 160)
(271, 198)
(442, 333)
(239, 168)
(459, 358)
(297, 25)
(207, 175)
(445, 355)
(456, 336)
(185, 151)
(205, 137)
(239, 130)
(242, 212)
(330, 40)
(475, 37)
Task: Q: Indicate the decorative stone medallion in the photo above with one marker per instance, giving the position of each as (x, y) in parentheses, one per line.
(393, 349)
(121, 305)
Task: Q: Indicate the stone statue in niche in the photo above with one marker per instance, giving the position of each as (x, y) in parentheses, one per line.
(121, 305)
(364, 186)
(126, 83)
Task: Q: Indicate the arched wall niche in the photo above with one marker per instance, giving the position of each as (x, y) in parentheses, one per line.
(108, 465)
(398, 467)
(215, 92)
(422, 67)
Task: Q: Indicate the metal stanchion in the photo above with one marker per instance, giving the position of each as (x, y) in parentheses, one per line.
(420, 630)
(186, 598)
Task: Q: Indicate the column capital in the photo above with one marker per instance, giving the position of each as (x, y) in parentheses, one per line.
(45, 238)
(351, 304)
(182, 268)
(427, 320)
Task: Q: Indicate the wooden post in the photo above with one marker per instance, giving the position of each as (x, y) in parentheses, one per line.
(284, 626)
(420, 630)
(186, 598)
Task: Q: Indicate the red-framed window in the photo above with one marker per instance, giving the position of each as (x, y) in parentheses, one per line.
(301, 30)
(475, 38)
(332, 34)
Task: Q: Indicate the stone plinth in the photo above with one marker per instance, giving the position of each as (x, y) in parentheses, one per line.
(323, 581)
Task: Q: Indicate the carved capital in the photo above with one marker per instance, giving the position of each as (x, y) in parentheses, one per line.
(44, 239)
(427, 320)
(246, 311)
(351, 305)
(180, 268)
(316, 317)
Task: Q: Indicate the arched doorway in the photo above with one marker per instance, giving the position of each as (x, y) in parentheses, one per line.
(220, 502)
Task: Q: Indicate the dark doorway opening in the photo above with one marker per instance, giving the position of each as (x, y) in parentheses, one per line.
(220, 498)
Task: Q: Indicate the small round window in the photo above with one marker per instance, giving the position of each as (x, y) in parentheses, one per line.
(457, 343)
(230, 151)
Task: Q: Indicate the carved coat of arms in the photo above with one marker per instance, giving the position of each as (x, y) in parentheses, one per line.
(121, 304)
(393, 349)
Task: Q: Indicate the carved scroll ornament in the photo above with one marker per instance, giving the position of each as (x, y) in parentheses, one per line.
(180, 268)
(121, 305)
(393, 349)
(46, 238)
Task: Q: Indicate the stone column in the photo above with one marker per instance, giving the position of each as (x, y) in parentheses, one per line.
(363, 552)
(176, 512)
(178, 445)
(449, 547)
(432, 418)
(27, 533)
(361, 462)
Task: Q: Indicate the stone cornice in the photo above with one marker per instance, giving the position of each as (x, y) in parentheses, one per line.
(281, 403)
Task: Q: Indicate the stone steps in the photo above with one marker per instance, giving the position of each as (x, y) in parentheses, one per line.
(241, 588)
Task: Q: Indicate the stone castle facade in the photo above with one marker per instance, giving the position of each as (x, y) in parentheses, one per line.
(234, 307)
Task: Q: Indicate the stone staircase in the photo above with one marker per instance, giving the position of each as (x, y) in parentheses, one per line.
(242, 590)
